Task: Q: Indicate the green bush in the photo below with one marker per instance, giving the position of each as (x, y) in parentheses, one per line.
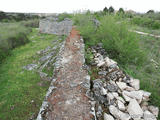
(34, 23)
(154, 16)
(121, 44)
(62, 16)
(85, 25)
(12, 35)
(9, 17)
(99, 14)
(146, 22)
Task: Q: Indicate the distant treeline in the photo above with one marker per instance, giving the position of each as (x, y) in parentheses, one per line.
(5, 17)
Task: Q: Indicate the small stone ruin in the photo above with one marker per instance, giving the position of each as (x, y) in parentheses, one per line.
(51, 25)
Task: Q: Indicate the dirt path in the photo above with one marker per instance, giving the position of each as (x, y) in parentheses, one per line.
(143, 33)
(69, 101)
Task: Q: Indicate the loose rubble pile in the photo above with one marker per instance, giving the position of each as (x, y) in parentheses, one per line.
(115, 95)
(47, 58)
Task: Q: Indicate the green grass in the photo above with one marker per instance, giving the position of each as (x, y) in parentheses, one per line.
(121, 45)
(19, 87)
(149, 73)
(144, 29)
(12, 35)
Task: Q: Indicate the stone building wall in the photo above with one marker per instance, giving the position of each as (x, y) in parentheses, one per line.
(52, 26)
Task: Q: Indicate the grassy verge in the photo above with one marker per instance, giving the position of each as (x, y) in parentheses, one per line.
(14, 34)
(20, 93)
(149, 72)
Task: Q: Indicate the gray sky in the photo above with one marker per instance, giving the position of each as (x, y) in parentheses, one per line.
(59, 6)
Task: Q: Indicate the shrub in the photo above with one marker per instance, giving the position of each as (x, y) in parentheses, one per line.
(31, 23)
(154, 16)
(86, 27)
(8, 17)
(62, 16)
(146, 22)
(99, 14)
(12, 35)
(120, 44)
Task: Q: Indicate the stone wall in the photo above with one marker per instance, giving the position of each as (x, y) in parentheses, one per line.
(52, 26)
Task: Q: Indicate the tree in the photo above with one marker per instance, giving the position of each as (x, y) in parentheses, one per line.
(2, 15)
(111, 9)
(150, 11)
(121, 10)
(105, 9)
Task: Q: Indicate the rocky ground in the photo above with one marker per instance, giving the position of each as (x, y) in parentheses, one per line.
(115, 95)
(66, 98)
(47, 58)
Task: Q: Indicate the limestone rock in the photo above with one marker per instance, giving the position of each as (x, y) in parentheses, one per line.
(109, 62)
(101, 63)
(102, 73)
(121, 105)
(121, 85)
(103, 91)
(154, 110)
(99, 112)
(146, 95)
(149, 116)
(108, 117)
(134, 110)
(118, 114)
(115, 94)
(30, 67)
(144, 106)
(97, 84)
(128, 88)
(42, 74)
(112, 87)
(135, 95)
(121, 99)
(135, 84)
(127, 98)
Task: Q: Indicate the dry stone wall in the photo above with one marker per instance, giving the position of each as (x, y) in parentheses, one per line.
(52, 26)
